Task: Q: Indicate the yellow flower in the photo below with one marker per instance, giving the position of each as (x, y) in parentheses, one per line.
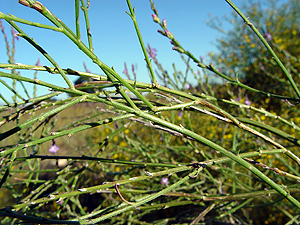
(123, 144)
(294, 32)
(252, 45)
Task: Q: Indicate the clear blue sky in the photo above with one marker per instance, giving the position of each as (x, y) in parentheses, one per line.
(114, 37)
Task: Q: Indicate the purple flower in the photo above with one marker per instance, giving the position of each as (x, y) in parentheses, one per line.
(125, 71)
(86, 69)
(180, 113)
(151, 52)
(38, 63)
(268, 36)
(54, 148)
(14, 33)
(116, 125)
(247, 102)
(187, 86)
(164, 181)
(201, 58)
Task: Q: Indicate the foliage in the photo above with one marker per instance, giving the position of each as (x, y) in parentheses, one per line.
(242, 53)
(168, 155)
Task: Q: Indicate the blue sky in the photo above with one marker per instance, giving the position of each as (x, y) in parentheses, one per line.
(114, 37)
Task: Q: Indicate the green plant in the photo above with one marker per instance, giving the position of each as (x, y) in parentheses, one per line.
(198, 156)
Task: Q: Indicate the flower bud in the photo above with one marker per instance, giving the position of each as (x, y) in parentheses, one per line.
(169, 34)
(162, 32)
(178, 49)
(164, 23)
(155, 18)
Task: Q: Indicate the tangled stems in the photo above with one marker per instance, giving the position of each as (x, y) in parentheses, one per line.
(179, 48)
(286, 72)
(127, 109)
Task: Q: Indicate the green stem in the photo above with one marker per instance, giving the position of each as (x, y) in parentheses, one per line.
(43, 52)
(87, 22)
(77, 19)
(133, 17)
(286, 72)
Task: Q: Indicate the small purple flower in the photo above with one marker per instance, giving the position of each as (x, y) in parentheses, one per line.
(164, 181)
(151, 52)
(54, 148)
(14, 33)
(60, 201)
(201, 58)
(125, 71)
(268, 36)
(38, 63)
(180, 113)
(86, 69)
(116, 125)
(187, 86)
(247, 102)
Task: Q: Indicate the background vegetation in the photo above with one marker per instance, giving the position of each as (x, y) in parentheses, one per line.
(119, 151)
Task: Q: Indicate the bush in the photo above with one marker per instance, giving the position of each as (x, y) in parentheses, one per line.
(139, 153)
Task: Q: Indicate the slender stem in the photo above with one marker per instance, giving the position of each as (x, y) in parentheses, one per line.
(133, 17)
(77, 19)
(43, 52)
(286, 72)
(87, 22)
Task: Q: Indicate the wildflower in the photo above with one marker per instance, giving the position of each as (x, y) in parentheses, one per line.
(187, 86)
(268, 36)
(262, 67)
(38, 63)
(54, 148)
(164, 181)
(125, 71)
(14, 33)
(201, 58)
(180, 114)
(86, 69)
(151, 52)
(247, 102)
(116, 125)
(155, 18)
